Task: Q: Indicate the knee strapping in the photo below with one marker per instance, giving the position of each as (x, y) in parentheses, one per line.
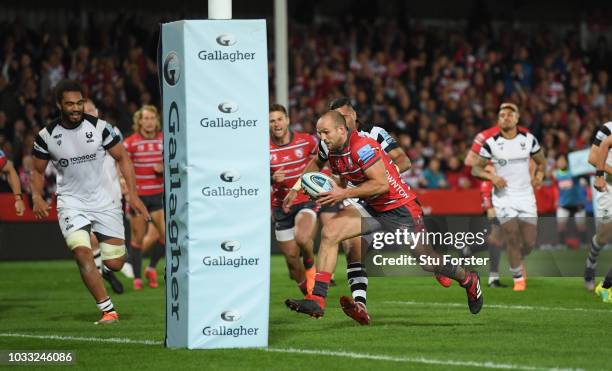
(109, 251)
(78, 238)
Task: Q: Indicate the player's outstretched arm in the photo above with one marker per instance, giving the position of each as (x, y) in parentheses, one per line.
(37, 183)
(400, 159)
(15, 184)
(127, 170)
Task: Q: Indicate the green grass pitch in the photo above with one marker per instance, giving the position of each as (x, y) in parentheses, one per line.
(416, 324)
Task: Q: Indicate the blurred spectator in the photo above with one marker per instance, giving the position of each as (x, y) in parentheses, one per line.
(431, 86)
(458, 175)
(432, 177)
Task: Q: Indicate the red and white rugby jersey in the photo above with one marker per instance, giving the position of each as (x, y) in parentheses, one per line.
(481, 137)
(145, 153)
(511, 160)
(3, 159)
(358, 155)
(293, 158)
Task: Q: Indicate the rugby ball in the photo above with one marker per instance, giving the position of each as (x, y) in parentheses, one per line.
(315, 183)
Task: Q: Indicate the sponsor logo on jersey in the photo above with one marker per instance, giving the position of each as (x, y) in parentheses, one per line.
(89, 136)
(366, 153)
(63, 162)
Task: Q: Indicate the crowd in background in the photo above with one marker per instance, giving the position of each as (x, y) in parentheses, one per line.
(435, 88)
(432, 87)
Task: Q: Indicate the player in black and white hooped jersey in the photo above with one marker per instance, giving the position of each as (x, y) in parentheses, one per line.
(510, 148)
(77, 145)
(600, 157)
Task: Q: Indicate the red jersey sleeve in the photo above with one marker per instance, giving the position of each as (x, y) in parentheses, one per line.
(3, 160)
(477, 143)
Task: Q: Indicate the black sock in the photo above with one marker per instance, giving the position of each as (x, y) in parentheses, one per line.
(156, 254)
(358, 281)
(137, 262)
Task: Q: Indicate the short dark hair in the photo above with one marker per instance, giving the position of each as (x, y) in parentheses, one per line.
(340, 102)
(275, 107)
(337, 118)
(64, 86)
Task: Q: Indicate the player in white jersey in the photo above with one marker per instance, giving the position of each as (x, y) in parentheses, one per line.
(110, 168)
(599, 156)
(511, 148)
(77, 145)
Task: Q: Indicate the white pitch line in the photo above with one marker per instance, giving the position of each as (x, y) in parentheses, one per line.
(90, 339)
(420, 360)
(373, 357)
(502, 306)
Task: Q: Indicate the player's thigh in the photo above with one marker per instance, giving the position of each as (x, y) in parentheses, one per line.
(343, 225)
(71, 221)
(510, 231)
(305, 224)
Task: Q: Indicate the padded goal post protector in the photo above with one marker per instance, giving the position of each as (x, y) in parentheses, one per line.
(214, 79)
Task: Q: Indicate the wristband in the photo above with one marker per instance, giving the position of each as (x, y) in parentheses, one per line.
(298, 185)
(599, 173)
(18, 196)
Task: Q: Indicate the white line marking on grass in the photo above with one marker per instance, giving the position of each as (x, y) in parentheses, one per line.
(90, 339)
(502, 306)
(420, 360)
(373, 357)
